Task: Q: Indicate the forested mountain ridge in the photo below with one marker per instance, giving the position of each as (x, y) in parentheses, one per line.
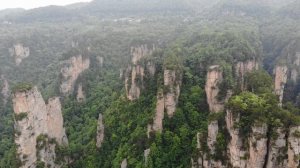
(138, 83)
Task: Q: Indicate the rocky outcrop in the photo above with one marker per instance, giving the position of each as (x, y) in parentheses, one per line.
(242, 68)
(124, 163)
(80, 94)
(19, 52)
(236, 151)
(294, 147)
(157, 125)
(295, 69)
(212, 135)
(100, 131)
(277, 153)
(280, 81)
(146, 155)
(135, 73)
(5, 90)
(36, 123)
(70, 72)
(258, 146)
(172, 83)
(151, 68)
(167, 100)
(100, 60)
(213, 79)
(134, 90)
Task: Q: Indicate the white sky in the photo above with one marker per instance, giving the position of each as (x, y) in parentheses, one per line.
(29, 4)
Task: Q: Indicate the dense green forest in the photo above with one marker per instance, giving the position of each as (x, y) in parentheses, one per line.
(189, 36)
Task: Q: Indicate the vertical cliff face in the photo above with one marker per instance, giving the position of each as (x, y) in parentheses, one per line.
(294, 147)
(135, 73)
(100, 131)
(280, 81)
(19, 52)
(236, 151)
(4, 89)
(35, 124)
(295, 70)
(80, 94)
(151, 68)
(124, 163)
(258, 146)
(157, 125)
(213, 79)
(172, 83)
(134, 90)
(277, 153)
(100, 61)
(167, 99)
(146, 155)
(242, 68)
(263, 151)
(70, 72)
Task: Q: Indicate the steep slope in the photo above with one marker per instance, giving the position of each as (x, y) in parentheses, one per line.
(39, 128)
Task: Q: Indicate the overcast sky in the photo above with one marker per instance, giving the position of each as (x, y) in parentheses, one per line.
(29, 4)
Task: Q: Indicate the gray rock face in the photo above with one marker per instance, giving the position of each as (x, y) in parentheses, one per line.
(100, 61)
(213, 129)
(80, 94)
(157, 125)
(146, 155)
(277, 150)
(236, 151)
(135, 73)
(213, 79)
(124, 163)
(134, 89)
(258, 146)
(100, 131)
(242, 68)
(294, 147)
(70, 72)
(36, 119)
(5, 90)
(280, 81)
(19, 52)
(172, 81)
(167, 99)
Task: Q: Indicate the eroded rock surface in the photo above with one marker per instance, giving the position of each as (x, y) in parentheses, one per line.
(5, 90)
(124, 163)
(70, 72)
(236, 150)
(80, 94)
(37, 122)
(280, 81)
(135, 73)
(172, 82)
(100, 61)
(258, 146)
(100, 131)
(19, 52)
(242, 68)
(277, 153)
(157, 125)
(213, 79)
(294, 147)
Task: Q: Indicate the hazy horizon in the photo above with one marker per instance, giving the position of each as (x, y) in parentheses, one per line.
(30, 4)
